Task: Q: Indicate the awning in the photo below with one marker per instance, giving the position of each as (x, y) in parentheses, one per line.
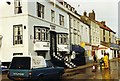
(78, 49)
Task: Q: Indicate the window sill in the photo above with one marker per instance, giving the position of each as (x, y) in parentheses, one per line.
(18, 45)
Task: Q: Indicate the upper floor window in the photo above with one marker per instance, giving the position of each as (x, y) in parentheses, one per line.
(40, 10)
(18, 6)
(41, 33)
(62, 38)
(17, 34)
(61, 19)
(52, 16)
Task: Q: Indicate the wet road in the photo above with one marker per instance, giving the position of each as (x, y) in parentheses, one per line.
(112, 73)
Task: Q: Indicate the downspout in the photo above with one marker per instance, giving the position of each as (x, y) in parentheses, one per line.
(1, 40)
(70, 45)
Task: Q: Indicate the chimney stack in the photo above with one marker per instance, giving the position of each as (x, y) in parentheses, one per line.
(103, 22)
(92, 15)
(85, 13)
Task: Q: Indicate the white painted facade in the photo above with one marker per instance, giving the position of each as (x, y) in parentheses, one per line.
(85, 38)
(95, 33)
(28, 19)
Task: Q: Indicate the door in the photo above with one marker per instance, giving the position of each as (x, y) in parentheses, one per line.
(53, 43)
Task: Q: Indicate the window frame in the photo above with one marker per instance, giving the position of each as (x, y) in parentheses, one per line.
(61, 20)
(17, 6)
(62, 38)
(40, 10)
(40, 35)
(52, 16)
(18, 38)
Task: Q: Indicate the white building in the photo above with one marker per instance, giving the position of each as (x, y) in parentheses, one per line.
(79, 34)
(85, 40)
(32, 28)
(94, 32)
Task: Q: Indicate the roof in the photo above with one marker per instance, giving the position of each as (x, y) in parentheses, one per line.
(105, 27)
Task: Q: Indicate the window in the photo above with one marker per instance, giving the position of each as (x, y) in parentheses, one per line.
(17, 34)
(42, 34)
(18, 7)
(20, 63)
(52, 16)
(61, 19)
(40, 10)
(81, 29)
(62, 38)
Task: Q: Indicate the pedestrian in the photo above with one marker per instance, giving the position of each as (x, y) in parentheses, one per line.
(106, 60)
(95, 58)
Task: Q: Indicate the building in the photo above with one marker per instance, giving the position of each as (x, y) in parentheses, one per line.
(33, 28)
(108, 41)
(118, 19)
(94, 31)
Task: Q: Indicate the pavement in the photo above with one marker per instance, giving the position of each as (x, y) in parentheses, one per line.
(73, 71)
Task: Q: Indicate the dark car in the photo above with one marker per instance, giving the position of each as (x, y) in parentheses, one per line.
(33, 68)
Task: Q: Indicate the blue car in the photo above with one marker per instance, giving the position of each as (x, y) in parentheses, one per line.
(33, 68)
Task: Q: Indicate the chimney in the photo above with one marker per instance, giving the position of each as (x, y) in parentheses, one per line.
(85, 13)
(92, 15)
(103, 22)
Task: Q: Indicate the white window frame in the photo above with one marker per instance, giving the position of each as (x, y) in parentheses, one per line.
(61, 20)
(41, 34)
(62, 39)
(18, 6)
(52, 16)
(17, 34)
(40, 10)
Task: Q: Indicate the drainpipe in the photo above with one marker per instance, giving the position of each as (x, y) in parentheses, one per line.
(70, 47)
(1, 40)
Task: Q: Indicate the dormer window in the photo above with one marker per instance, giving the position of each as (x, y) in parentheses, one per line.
(18, 6)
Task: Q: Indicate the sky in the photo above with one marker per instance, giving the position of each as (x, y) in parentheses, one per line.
(105, 10)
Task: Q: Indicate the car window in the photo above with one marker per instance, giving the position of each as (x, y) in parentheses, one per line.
(49, 63)
(20, 63)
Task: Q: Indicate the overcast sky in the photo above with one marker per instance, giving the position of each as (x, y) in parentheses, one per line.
(106, 10)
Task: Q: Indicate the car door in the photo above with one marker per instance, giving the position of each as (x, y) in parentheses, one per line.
(51, 70)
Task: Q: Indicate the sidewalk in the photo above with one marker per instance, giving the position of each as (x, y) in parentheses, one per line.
(70, 72)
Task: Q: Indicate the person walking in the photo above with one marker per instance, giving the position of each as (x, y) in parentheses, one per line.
(95, 58)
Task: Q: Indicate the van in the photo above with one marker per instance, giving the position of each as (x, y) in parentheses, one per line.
(33, 68)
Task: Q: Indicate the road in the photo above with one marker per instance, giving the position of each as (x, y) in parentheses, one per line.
(111, 74)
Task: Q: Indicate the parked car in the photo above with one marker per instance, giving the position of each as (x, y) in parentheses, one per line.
(33, 68)
(4, 68)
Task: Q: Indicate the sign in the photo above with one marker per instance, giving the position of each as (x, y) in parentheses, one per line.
(53, 27)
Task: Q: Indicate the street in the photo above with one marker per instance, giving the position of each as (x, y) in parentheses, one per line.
(86, 73)
(113, 73)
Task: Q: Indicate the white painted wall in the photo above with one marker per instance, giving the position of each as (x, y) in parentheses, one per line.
(84, 33)
(95, 33)
(29, 19)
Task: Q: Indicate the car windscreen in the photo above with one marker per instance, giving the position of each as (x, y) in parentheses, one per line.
(20, 63)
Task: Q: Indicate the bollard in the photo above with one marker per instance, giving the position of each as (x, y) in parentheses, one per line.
(94, 68)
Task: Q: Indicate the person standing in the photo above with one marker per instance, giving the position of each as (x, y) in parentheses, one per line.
(106, 60)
